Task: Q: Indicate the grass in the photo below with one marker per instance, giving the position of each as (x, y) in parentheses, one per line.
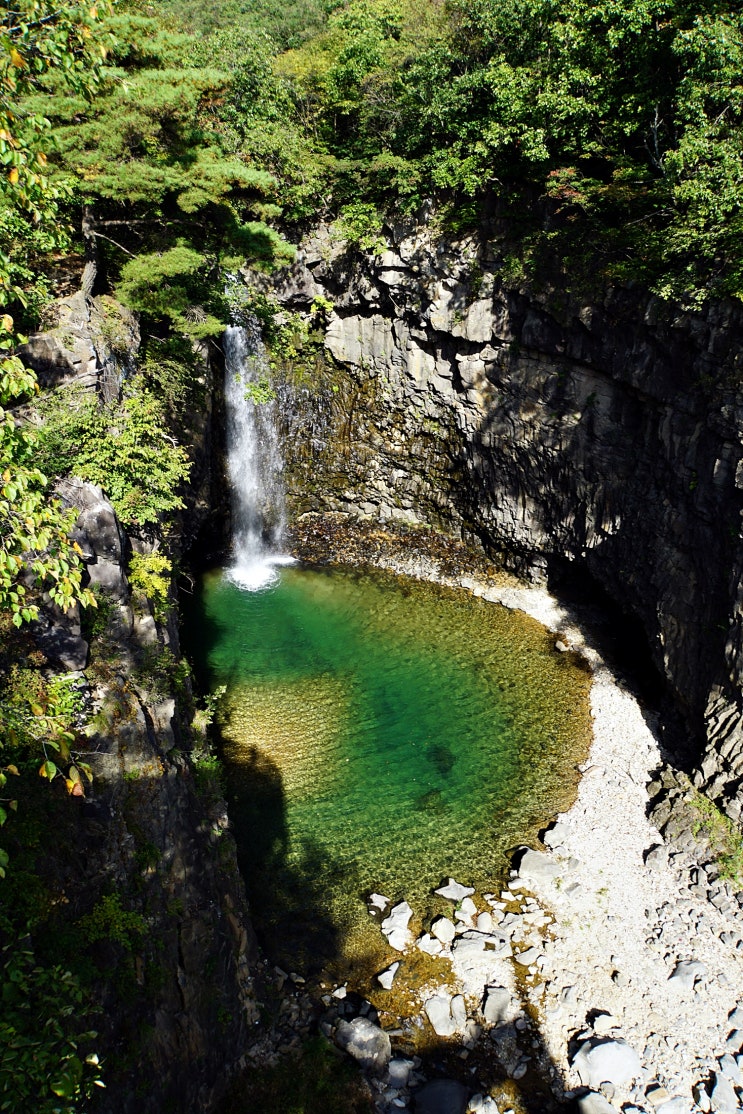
(725, 839)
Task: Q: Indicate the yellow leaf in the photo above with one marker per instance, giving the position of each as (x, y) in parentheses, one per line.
(13, 176)
(16, 59)
(7, 323)
(13, 770)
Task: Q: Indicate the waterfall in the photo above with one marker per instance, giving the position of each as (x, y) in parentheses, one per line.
(254, 461)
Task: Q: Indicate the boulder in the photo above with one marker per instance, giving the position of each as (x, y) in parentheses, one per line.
(60, 640)
(443, 929)
(398, 1073)
(606, 1061)
(686, 973)
(439, 1013)
(722, 1098)
(429, 945)
(484, 922)
(386, 978)
(496, 1004)
(536, 866)
(594, 1103)
(527, 958)
(482, 1104)
(365, 1042)
(556, 835)
(458, 1011)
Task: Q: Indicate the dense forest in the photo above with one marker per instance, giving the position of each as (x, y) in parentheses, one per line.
(151, 150)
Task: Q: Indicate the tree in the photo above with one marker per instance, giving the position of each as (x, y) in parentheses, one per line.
(166, 205)
(37, 37)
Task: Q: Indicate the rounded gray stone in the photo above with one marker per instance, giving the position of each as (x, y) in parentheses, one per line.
(606, 1061)
(365, 1042)
(595, 1104)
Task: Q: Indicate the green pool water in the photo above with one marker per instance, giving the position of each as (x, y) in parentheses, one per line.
(380, 734)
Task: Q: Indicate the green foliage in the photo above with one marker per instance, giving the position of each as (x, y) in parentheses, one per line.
(46, 1064)
(206, 765)
(150, 574)
(295, 343)
(260, 391)
(40, 720)
(726, 840)
(360, 224)
(109, 921)
(169, 204)
(38, 37)
(173, 371)
(124, 448)
(160, 674)
(287, 24)
(94, 622)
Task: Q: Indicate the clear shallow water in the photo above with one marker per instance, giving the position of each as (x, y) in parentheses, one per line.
(381, 734)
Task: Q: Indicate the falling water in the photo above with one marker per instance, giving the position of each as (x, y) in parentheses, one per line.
(254, 461)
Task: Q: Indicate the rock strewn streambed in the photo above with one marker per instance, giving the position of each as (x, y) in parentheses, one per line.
(612, 953)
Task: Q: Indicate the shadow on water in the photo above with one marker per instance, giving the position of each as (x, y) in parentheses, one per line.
(287, 886)
(286, 892)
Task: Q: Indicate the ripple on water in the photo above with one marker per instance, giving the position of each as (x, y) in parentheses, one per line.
(379, 734)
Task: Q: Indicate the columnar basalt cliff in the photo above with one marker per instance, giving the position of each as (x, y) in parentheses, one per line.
(607, 435)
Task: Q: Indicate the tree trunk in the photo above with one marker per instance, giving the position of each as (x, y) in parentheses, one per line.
(91, 252)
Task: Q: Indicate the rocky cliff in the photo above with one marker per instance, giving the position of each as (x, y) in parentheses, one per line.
(150, 882)
(604, 436)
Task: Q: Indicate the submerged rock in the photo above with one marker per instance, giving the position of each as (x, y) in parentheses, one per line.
(455, 891)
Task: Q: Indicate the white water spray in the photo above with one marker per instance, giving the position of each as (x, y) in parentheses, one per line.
(254, 461)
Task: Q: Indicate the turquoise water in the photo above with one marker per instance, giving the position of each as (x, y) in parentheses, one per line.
(381, 734)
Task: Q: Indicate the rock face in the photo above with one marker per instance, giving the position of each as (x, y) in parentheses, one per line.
(88, 342)
(606, 436)
(146, 834)
(178, 1015)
